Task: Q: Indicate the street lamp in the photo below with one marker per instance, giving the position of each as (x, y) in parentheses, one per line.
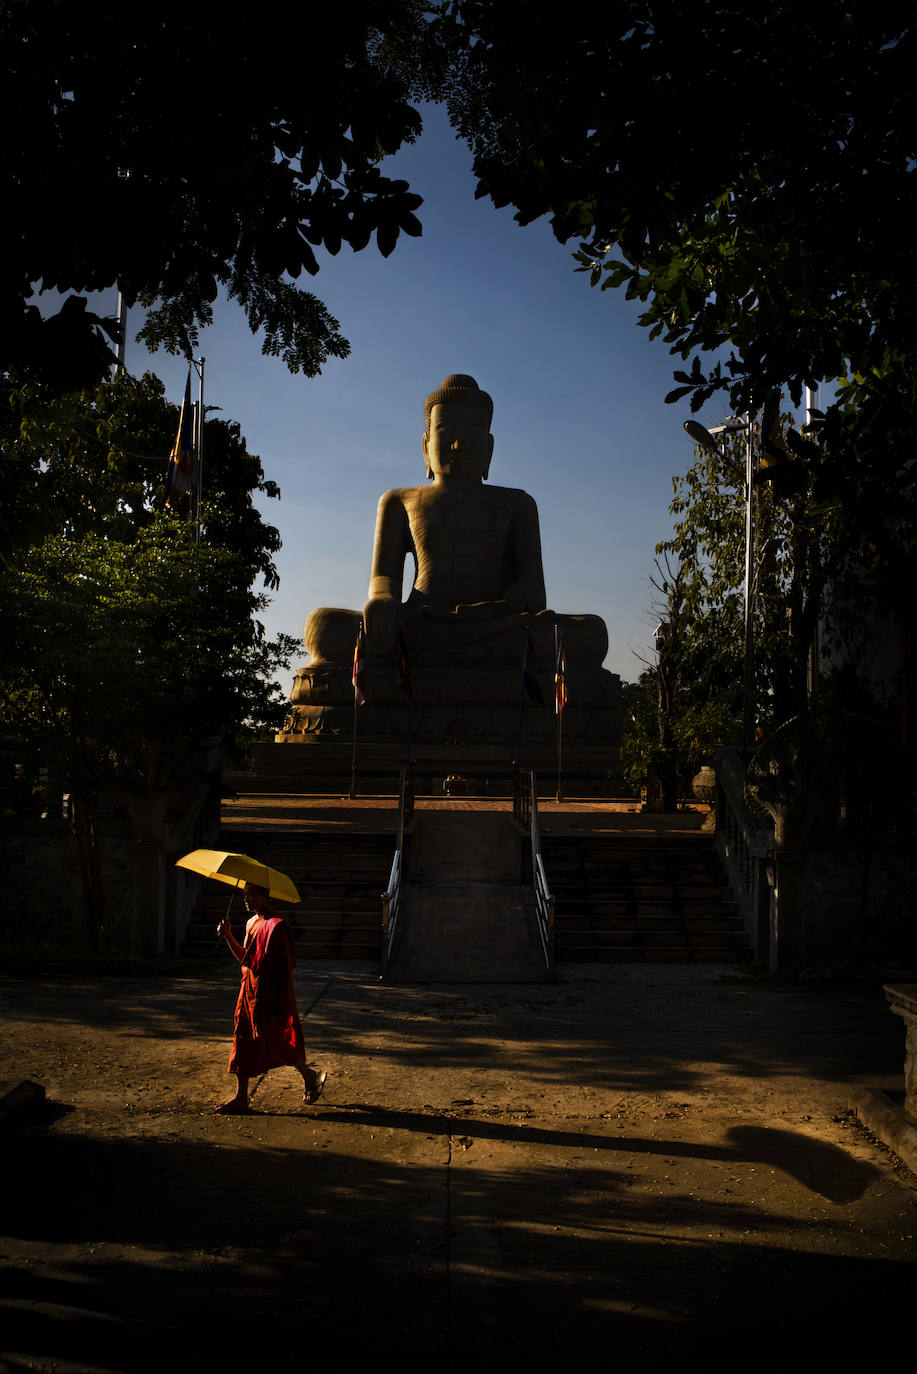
(705, 437)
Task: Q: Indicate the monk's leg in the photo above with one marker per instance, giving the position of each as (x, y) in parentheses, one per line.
(312, 1083)
(238, 1105)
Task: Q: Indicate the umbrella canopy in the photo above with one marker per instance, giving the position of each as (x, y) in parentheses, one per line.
(237, 870)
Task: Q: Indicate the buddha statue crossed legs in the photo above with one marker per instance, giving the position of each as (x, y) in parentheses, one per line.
(478, 586)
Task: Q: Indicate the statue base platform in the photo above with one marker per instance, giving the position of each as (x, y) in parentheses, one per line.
(589, 770)
(464, 707)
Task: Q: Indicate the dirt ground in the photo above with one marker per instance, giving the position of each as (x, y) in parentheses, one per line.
(630, 1162)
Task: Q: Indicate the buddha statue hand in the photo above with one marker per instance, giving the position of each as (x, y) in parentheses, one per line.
(380, 623)
(476, 610)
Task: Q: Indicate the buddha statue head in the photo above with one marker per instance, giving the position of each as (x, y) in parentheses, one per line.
(457, 442)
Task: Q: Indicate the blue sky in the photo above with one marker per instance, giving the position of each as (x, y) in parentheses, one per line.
(578, 389)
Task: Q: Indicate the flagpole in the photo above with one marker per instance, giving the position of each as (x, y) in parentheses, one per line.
(122, 332)
(199, 449)
(358, 699)
(179, 477)
(560, 701)
(560, 735)
(407, 688)
(353, 753)
(525, 645)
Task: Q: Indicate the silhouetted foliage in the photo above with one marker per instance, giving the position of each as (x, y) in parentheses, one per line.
(180, 148)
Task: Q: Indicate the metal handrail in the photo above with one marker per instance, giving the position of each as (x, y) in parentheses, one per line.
(525, 811)
(391, 897)
(522, 798)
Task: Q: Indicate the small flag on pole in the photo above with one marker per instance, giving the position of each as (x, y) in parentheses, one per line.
(178, 477)
(529, 680)
(560, 678)
(359, 685)
(404, 671)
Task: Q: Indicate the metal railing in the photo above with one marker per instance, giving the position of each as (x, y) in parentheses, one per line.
(745, 844)
(391, 897)
(525, 812)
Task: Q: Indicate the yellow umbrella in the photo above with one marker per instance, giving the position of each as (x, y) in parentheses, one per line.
(237, 870)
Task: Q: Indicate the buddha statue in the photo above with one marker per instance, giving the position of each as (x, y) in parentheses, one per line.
(478, 588)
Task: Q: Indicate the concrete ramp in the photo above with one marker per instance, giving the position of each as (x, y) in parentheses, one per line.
(466, 917)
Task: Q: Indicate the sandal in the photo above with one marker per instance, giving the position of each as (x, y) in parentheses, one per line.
(315, 1093)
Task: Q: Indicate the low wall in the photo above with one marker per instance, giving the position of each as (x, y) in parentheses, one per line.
(43, 907)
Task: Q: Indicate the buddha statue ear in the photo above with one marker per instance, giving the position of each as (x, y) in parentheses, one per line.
(490, 455)
(426, 458)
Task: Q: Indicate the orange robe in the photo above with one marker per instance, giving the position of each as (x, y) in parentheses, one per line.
(267, 1028)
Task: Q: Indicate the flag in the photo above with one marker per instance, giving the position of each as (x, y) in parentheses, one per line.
(529, 680)
(178, 477)
(560, 678)
(359, 685)
(404, 671)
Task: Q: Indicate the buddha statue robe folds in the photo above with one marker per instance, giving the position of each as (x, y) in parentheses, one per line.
(478, 588)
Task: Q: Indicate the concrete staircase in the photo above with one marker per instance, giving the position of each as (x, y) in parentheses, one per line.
(340, 878)
(636, 898)
(466, 916)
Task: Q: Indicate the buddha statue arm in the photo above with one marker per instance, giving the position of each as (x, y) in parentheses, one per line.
(392, 543)
(526, 592)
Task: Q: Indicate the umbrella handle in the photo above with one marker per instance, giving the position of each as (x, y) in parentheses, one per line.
(226, 917)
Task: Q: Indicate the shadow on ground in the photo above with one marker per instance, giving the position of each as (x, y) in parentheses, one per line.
(341, 1258)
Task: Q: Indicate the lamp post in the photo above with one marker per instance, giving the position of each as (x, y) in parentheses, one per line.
(706, 439)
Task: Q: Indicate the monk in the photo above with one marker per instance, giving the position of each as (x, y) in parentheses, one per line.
(268, 1033)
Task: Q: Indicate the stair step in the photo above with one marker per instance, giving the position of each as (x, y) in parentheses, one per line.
(656, 939)
(334, 920)
(635, 906)
(342, 936)
(588, 921)
(659, 899)
(371, 953)
(587, 954)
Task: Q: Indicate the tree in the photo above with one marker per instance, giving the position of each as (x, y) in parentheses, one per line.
(134, 651)
(803, 545)
(178, 149)
(702, 577)
(688, 703)
(691, 701)
(826, 718)
(716, 148)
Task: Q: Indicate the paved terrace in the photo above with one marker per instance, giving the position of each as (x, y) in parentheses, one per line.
(634, 1164)
(379, 813)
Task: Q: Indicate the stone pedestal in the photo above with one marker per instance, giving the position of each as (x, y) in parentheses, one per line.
(463, 706)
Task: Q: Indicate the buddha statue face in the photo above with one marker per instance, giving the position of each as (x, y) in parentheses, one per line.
(458, 442)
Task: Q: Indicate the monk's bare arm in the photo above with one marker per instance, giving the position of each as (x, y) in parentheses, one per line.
(224, 930)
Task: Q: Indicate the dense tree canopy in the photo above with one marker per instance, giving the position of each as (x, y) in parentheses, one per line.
(108, 601)
(178, 148)
(748, 171)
